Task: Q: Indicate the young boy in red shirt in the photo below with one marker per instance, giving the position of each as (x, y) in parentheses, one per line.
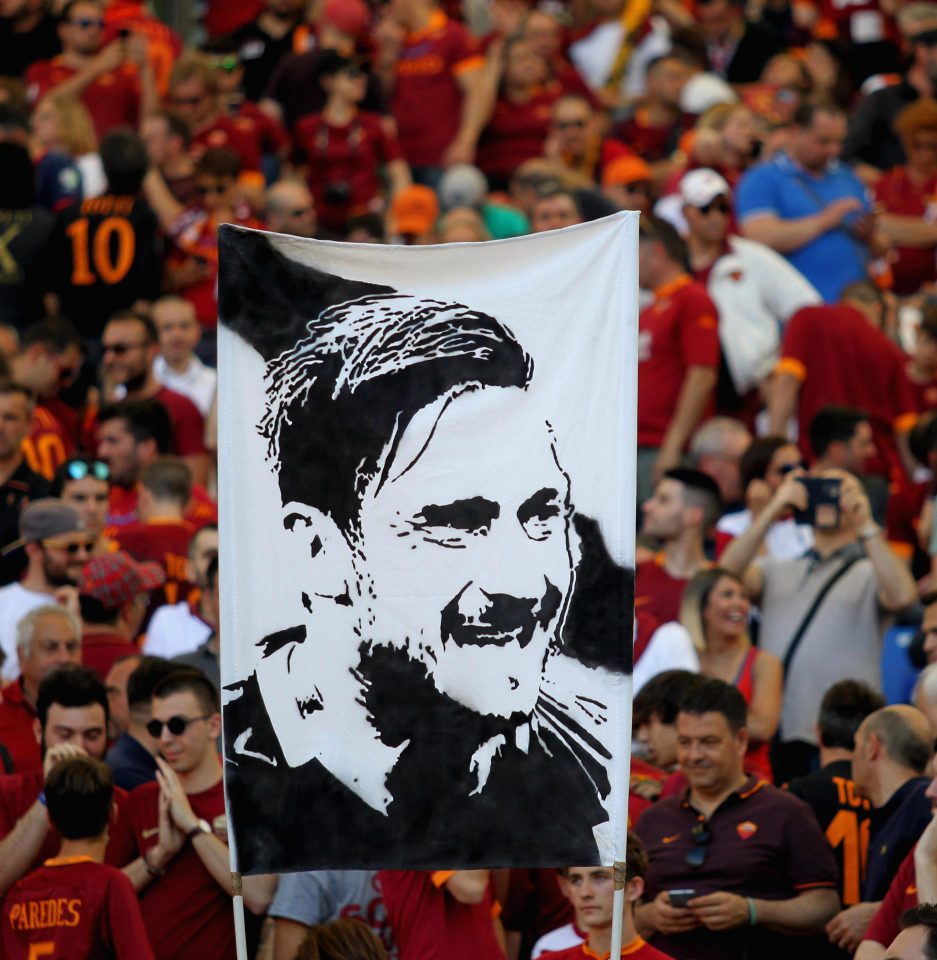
(74, 905)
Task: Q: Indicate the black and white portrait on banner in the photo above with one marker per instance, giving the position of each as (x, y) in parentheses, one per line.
(426, 493)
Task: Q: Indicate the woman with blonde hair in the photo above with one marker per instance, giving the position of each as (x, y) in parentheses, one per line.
(715, 611)
(68, 166)
(344, 939)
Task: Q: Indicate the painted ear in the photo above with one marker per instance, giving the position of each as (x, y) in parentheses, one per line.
(318, 547)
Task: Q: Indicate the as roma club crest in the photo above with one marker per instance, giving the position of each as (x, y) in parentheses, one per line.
(746, 829)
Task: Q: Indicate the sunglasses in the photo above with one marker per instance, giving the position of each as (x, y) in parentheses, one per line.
(177, 725)
(786, 468)
(701, 835)
(79, 469)
(228, 64)
(119, 349)
(218, 188)
(86, 22)
(72, 549)
(719, 205)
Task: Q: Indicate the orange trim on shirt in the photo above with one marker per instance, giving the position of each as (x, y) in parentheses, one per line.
(251, 178)
(754, 790)
(905, 422)
(668, 289)
(469, 63)
(439, 877)
(65, 861)
(437, 21)
(794, 367)
(626, 951)
(813, 886)
(904, 551)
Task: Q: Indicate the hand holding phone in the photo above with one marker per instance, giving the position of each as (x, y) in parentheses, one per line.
(680, 898)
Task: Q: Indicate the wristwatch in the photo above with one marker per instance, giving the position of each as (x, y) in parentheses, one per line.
(201, 826)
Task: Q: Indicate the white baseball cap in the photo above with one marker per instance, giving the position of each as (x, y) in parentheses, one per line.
(699, 188)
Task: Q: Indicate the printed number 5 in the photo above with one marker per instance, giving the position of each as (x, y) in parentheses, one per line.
(45, 948)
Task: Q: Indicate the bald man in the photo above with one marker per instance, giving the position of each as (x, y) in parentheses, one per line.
(893, 748)
(290, 209)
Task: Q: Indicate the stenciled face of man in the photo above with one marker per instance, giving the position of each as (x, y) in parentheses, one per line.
(465, 549)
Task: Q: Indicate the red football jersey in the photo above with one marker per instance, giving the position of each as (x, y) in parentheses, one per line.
(165, 542)
(901, 896)
(636, 950)
(429, 923)
(427, 99)
(678, 330)
(74, 907)
(839, 357)
(48, 445)
(112, 98)
(16, 729)
(122, 509)
(656, 592)
(186, 913)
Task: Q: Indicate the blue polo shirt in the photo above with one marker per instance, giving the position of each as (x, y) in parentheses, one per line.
(783, 188)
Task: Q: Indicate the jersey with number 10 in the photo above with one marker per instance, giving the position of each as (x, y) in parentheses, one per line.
(71, 908)
(106, 255)
(844, 817)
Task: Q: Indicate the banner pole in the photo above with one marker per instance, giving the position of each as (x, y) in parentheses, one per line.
(240, 936)
(618, 910)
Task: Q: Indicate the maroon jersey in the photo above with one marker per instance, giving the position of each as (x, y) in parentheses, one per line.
(165, 542)
(74, 907)
(656, 592)
(186, 913)
(16, 728)
(430, 924)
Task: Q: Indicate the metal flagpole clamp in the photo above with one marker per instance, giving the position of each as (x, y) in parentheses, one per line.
(235, 884)
(619, 867)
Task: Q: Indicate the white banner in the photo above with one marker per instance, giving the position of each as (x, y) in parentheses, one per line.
(426, 462)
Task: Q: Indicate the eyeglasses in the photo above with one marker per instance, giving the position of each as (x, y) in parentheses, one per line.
(569, 124)
(188, 101)
(79, 469)
(119, 349)
(216, 188)
(701, 835)
(72, 549)
(716, 204)
(86, 22)
(177, 725)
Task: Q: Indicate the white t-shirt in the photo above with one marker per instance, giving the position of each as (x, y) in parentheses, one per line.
(786, 539)
(175, 630)
(15, 602)
(670, 648)
(562, 938)
(198, 383)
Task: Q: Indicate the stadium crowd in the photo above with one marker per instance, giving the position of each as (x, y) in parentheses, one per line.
(783, 158)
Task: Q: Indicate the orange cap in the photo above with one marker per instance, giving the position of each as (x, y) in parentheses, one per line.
(625, 170)
(415, 210)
